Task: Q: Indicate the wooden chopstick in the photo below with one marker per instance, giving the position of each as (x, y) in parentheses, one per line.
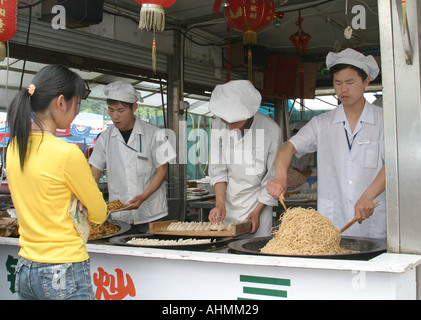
(283, 203)
(348, 225)
(355, 220)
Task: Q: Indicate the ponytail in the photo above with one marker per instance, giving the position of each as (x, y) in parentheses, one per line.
(49, 83)
(19, 121)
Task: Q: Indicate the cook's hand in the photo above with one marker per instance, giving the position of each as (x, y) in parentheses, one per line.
(136, 202)
(254, 218)
(277, 187)
(364, 209)
(217, 214)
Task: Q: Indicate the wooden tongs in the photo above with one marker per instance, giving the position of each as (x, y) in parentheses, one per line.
(283, 203)
(355, 220)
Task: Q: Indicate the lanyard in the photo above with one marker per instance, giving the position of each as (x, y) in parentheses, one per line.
(140, 145)
(347, 138)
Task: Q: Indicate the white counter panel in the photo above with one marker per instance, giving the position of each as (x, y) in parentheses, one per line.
(121, 272)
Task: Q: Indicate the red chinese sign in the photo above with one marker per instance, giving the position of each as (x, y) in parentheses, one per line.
(111, 287)
(8, 10)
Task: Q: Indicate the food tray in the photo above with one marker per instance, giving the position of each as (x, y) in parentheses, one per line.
(237, 229)
(9, 227)
(124, 227)
(122, 209)
(196, 191)
(216, 242)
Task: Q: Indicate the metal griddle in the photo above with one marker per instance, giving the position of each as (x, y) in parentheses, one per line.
(362, 248)
(218, 243)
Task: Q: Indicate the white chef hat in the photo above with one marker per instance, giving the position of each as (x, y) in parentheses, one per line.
(122, 91)
(234, 101)
(354, 58)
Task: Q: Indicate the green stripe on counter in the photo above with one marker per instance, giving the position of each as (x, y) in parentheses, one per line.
(275, 281)
(265, 292)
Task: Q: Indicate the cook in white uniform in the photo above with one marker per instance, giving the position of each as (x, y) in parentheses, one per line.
(135, 154)
(350, 150)
(242, 154)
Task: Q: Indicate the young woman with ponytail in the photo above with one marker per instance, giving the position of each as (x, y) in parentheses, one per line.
(44, 173)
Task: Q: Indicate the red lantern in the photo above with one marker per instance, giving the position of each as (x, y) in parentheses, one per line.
(249, 16)
(152, 17)
(8, 9)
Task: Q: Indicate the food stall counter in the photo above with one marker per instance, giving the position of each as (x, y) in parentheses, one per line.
(123, 272)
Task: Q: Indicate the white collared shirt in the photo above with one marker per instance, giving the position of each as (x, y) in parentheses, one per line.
(262, 156)
(347, 163)
(131, 167)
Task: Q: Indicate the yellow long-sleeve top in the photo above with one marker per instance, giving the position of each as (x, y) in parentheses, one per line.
(54, 170)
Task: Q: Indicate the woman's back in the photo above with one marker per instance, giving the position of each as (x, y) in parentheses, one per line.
(54, 170)
(44, 175)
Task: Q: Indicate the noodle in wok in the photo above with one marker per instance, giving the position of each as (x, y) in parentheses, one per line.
(304, 232)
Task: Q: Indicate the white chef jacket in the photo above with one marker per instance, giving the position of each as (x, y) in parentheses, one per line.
(131, 167)
(246, 165)
(347, 163)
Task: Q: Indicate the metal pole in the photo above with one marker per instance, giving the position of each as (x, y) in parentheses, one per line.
(177, 172)
(402, 120)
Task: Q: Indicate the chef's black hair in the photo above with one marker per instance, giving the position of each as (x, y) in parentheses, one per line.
(341, 66)
(50, 82)
(111, 102)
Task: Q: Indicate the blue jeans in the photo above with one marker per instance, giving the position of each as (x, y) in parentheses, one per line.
(46, 281)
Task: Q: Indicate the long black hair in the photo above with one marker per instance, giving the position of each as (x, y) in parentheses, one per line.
(50, 82)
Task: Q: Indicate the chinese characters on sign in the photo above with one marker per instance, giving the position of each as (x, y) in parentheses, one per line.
(113, 288)
(10, 267)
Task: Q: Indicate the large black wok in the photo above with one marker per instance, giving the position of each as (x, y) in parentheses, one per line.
(362, 248)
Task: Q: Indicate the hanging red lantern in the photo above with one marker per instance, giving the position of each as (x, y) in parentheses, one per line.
(8, 10)
(152, 17)
(249, 16)
(152, 14)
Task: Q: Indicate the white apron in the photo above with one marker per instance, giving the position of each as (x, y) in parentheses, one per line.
(243, 189)
(130, 169)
